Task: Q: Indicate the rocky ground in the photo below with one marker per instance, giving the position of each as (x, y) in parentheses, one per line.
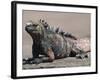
(65, 62)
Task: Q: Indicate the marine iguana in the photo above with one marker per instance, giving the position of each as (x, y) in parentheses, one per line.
(54, 44)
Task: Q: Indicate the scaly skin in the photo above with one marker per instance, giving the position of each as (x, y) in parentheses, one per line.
(54, 44)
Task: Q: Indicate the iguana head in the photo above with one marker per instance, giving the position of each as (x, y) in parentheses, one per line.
(34, 29)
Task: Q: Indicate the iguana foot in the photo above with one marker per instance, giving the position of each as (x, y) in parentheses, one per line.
(32, 61)
(81, 56)
(36, 61)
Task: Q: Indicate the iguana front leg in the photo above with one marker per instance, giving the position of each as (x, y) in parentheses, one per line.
(50, 56)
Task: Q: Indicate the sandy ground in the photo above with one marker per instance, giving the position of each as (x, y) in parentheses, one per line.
(61, 63)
